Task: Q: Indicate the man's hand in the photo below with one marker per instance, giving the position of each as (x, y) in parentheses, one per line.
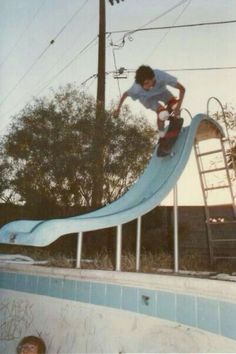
(116, 113)
(177, 112)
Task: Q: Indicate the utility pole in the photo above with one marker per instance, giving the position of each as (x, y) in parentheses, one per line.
(101, 56)
(98, 153)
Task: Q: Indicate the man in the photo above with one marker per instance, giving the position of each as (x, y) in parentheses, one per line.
(150, 88)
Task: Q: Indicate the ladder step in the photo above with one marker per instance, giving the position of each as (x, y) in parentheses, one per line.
(218, 222)
(213, 170)
(209, 153)
(218, 187)
(225, 139)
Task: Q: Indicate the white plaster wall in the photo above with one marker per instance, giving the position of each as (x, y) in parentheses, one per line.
(72, 327)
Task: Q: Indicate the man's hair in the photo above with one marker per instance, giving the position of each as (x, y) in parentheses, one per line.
(144, 73)
(37, 341)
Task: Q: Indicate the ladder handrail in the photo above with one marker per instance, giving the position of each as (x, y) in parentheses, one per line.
(223, 112)
(228, 178)
(225, 123)
(187, 111)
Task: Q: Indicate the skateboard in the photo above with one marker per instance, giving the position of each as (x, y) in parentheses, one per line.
(166, 143)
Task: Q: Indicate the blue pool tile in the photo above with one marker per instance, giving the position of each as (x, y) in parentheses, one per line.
(186, 310)
(147, 302)
(83, 291)
(228, 319)
(9, 280)
(207, 315)
(31, 284)
(129, 299)
(69, 289)
(2, 279)
(98, 293)
(113, 296)
(166, 306)
(43, 286)
(56, 287)
(20, 282)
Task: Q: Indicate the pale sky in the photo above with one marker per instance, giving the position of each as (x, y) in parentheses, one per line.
(30, 66)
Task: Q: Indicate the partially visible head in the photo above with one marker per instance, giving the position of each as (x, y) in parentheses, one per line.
(145, 77)
(31, 345)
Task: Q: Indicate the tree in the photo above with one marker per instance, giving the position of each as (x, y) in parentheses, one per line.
(4, 183)
(229, 119)
(48, 152)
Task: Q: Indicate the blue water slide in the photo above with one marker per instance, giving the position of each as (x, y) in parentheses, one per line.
(159, 177)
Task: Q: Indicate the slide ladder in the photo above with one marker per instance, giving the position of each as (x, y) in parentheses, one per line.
(220, 229)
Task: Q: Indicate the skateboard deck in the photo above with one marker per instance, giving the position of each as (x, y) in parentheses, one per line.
(166, 143)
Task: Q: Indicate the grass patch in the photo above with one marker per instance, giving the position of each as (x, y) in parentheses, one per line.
(105, 260)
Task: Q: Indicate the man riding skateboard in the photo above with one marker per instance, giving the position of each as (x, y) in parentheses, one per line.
(150, 88)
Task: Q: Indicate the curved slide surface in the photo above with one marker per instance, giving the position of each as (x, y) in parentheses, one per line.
(159, 177)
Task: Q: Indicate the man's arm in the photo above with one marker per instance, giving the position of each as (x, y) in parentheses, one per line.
(181, 97)
(117, 111)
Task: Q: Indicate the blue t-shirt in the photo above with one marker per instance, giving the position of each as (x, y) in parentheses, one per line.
(136, 92)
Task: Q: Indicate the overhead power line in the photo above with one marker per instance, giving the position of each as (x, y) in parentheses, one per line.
(157, 17)
(122, 71)
(175, 26)
(42, 53)
(41, 82)
(205, 69)
(23, 33)
(55, 76)
(88, 79)
(58, 73)
(70, 20)
(129, 33)
(115, 64)
(69, 64)
(168, 30)
(180, 69)
(25, 74)
(183, 69)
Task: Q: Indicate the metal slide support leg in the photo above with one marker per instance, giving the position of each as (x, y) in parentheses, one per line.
(79, 249)
(138, 243)
(176, 241)
(118, 247)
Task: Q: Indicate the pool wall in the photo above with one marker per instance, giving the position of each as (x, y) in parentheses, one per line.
(87, 311)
